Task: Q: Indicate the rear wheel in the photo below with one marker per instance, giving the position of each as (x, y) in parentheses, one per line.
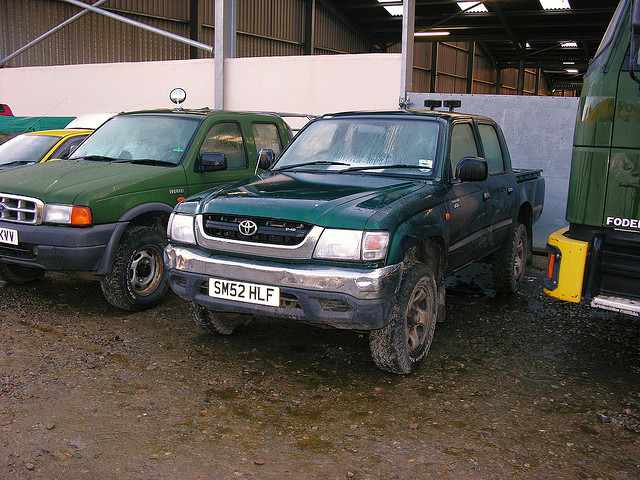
(508, 264)
(17, 274)
(137, 280)
(221, 323)
(403, 344)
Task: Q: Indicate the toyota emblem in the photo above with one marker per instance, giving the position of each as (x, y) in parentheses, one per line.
(247, 228)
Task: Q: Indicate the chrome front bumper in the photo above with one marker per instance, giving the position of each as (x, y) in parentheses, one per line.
(359, 283)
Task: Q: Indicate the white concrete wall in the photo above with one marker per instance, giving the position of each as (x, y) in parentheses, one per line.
(539, 132)
(309, 84)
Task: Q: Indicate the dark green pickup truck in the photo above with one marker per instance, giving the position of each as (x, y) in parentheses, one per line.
(355, 226)
(105, 210)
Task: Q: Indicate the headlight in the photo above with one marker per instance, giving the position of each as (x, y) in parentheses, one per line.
(181, 228)
(353, 245)
(67, 214)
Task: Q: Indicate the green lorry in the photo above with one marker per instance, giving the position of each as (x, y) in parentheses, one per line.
(355, 226)
(105, 209)
(597, 258)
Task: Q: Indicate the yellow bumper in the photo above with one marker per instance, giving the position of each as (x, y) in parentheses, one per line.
(565, 273)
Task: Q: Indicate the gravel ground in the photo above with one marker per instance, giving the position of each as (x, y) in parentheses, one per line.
(515, 387)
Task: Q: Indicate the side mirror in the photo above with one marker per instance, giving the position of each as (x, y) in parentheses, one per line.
(211, 162)
(266, 157)
(472, 169)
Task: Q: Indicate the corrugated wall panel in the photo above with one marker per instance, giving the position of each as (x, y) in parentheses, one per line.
(333, 35)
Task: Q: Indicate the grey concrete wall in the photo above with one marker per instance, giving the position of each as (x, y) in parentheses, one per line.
(539, 132)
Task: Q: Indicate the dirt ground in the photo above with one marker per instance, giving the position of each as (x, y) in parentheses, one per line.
(515, 387)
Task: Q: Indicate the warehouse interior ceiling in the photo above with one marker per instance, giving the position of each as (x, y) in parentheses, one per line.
(560, 40)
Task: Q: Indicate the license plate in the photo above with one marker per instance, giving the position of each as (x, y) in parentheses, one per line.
(244, 292)
(8, 236)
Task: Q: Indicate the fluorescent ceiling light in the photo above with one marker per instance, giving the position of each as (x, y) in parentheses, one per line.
(569, 45)
(477, 9)
(394, 10)
(572, 70)
(555, 4)
(436, 33)
(568, 63)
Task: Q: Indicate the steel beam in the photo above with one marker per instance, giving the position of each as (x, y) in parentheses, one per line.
(408, 29)
(225, 44)
(37, 40)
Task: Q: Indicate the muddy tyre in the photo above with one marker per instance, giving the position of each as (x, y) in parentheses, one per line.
(17, 274)
(508, 265)
(137, 280)
(403, 344)
(221, 323)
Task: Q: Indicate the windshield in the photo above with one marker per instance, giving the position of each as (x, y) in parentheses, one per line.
(25, 149)
(146, 138)
(615, 26)
(365, 144)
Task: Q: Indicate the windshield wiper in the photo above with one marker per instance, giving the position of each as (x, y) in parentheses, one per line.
(94, 158)
(16, 163)
(145, 161)
(318, 162)
(380, 167)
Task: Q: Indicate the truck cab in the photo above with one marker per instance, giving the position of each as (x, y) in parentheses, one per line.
(596, 259)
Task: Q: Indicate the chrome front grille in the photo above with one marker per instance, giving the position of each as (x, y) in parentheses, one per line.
(18, 209)
(267, 230)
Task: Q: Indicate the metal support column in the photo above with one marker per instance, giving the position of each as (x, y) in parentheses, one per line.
(521, 72)
(434, 67)
(470, 64)
(309, 26)
(195, 25)
(408, 29)
(225, 44)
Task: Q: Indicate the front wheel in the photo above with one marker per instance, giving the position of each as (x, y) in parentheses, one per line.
(137, 280)
(221, 323)
(17, 274)
(508, 264)
(403, 344)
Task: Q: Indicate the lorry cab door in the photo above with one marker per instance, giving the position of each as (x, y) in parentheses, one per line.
(622, 200)
(466, 202)
(502, 184)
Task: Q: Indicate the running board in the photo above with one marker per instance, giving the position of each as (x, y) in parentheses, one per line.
(617, 304)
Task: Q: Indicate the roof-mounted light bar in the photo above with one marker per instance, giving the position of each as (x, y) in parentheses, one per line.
(433, 104)
(451, 104)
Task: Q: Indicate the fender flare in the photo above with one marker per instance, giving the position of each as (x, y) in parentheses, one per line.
(121, 225)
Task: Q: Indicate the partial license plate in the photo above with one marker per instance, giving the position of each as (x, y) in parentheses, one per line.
(244, 292)
(9, 236)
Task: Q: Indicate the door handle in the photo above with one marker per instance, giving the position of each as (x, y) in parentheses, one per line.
(486, 196)
(509, 191)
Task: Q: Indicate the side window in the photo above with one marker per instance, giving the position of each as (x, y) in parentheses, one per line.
(63, 150)
(266, 136)
(226, 137)
(463, 145)
(492, 150)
